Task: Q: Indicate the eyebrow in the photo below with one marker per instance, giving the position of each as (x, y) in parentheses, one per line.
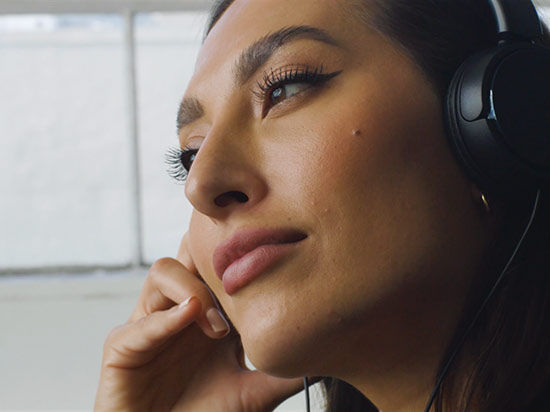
(252, 59)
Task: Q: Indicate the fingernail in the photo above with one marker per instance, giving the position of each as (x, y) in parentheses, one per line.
(185, 302)
(216, 320)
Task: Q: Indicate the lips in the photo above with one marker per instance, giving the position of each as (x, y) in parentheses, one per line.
(245, 241)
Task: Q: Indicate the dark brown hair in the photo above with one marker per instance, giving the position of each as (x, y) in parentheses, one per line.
(510, 341)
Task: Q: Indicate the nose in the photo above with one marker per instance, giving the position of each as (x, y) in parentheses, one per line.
(225, 176)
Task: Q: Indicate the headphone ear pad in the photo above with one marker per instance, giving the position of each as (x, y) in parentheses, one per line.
(497, 118)
(451, 113)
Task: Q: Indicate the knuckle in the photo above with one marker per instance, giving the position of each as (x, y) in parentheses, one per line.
(160, 271)
(113, 336)
(160, 267)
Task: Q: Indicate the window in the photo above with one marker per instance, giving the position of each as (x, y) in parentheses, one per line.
(83, 92)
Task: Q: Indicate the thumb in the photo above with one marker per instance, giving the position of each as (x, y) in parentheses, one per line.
(269, 390)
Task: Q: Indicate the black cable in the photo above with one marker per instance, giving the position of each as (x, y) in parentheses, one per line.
(446, 368)
(306, 388)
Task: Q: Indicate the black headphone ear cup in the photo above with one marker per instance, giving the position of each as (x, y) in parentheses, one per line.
(520, 96)
(454, 137)
(497, 117)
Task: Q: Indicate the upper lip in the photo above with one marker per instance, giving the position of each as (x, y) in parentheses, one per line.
(246, 240)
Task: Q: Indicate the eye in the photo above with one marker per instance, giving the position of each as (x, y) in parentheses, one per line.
(179, 162)
(287, 82)
(285, 91)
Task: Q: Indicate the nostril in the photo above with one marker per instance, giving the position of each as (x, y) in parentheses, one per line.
(227, 198)
(241, 197)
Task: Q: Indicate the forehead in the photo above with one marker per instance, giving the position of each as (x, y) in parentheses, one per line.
(246, 21)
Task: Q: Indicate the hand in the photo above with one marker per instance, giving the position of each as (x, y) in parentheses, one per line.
(169, 357)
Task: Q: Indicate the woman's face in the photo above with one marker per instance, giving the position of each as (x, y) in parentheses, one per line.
(357, 161)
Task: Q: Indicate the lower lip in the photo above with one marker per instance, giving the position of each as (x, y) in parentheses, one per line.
(248, 267)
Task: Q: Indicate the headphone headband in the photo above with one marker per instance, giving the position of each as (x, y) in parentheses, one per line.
(516, 18)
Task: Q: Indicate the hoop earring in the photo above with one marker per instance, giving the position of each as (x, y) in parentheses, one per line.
(485, 203)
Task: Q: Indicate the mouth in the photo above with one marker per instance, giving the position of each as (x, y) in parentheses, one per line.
(250, 252)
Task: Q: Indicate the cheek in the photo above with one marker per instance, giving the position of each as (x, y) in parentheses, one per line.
(358, 159)
(371, 189)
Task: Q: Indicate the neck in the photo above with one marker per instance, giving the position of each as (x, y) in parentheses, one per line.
(397, 371)
(402, 384)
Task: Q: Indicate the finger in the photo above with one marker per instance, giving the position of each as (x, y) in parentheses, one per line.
(169, 283)
(137, 343)
(185, 258)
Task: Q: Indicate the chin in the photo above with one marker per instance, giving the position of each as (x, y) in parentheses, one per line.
(284, 350)
(276, 357)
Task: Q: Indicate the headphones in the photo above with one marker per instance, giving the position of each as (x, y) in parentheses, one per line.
(497, 116)
(497, 109)
(497, 119)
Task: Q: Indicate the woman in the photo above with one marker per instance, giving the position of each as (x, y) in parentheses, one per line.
(321, 136)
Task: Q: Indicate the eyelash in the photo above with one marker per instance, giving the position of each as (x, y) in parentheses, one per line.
(176, 158)
(276, 79)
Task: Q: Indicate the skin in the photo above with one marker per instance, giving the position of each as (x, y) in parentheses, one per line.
(361, 165)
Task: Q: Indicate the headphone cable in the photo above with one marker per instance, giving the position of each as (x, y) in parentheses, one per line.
(306, 388)
(446, 368)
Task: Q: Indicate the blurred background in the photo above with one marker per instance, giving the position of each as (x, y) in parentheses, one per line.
(89, 91)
